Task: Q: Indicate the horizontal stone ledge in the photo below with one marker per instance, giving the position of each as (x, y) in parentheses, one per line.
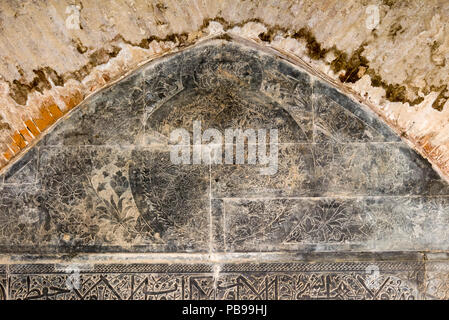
(223, 258)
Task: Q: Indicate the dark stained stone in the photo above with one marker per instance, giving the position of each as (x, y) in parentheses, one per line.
(24, 170)
(340, 119)
(339, 125)
(23, 220)
(224, 65)
(103, 181)
(294, 176)
(172, 200)
(162, 80)
(374, 169)
(222, 109)
(335, 224)
(3, 281)
(345, 186)
(218, 225)
(105, 199)
(292, 89)
(404, 280)
(112, 117)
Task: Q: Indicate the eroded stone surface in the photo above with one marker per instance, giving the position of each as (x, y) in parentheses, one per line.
(329, 224)
(338, 181)
(113, 117)
(344, 183)
(285, 281)
(394, 54)
(3, 279)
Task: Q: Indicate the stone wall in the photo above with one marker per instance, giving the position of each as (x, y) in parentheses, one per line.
(346, 210)
(90, 91)
(389, 54)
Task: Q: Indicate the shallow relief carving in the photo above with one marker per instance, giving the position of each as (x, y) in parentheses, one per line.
(101, 186)
(102, 182)
(3, 280)
(282, 281)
